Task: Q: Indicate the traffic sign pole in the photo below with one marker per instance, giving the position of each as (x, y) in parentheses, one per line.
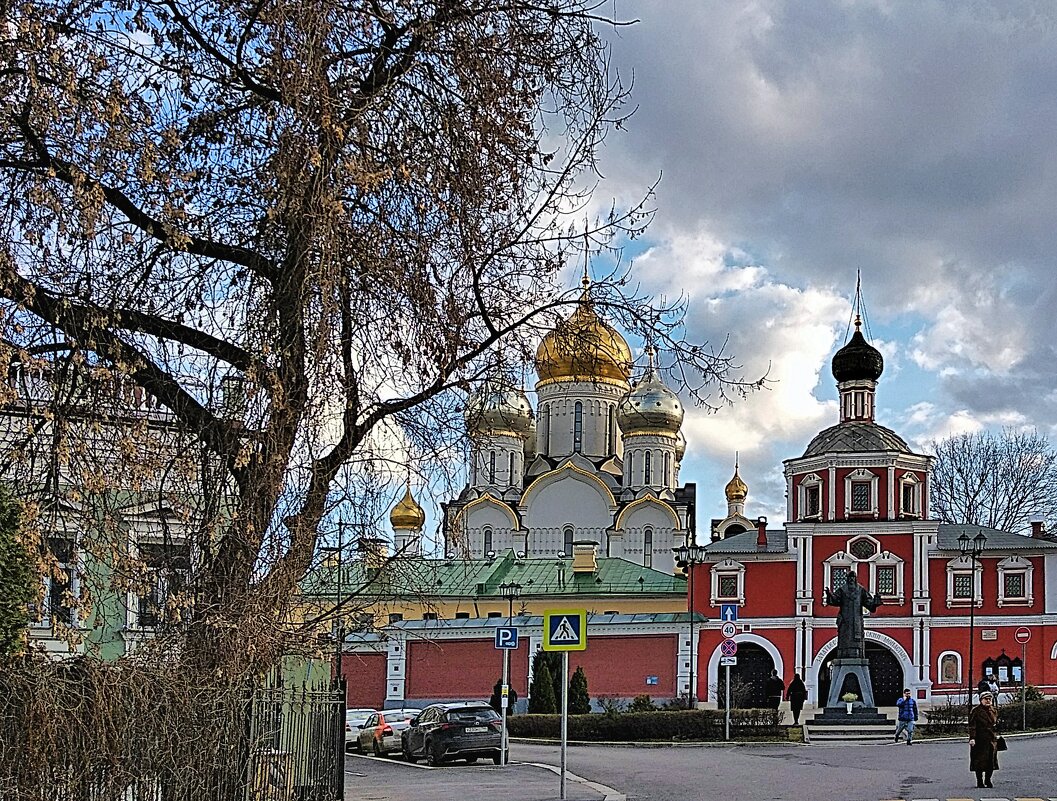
(726, 704)
(503, 701)
(1024, 685)
(565, 720)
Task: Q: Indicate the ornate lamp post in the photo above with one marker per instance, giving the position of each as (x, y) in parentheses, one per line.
(689, 556)
(972, 548)
(510, 591)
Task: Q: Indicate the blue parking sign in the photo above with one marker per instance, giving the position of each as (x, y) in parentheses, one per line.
(506, 637)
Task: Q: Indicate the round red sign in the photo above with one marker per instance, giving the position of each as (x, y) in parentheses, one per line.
(1022, 635)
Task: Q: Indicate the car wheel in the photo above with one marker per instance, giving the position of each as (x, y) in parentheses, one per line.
(433, 755)
(408, 756)
(497, 759)
(357, 747)
(470, 760)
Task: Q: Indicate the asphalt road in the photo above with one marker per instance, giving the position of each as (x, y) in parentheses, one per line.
(926, 770)
(932, 771)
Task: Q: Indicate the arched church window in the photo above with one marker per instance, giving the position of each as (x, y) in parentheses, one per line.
(647, 547)
(491, 467)
(545, 429)
(578, 427)
(667, 469)
(510, 471)
(631, 467)
(487, 539)
(611, 430)
(567, 536)
(647, 468)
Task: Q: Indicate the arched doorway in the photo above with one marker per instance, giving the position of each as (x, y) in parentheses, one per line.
(748, 679)
(886, 673)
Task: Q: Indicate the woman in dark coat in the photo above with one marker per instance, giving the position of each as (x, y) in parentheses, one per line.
(797, 694)
(983, 741)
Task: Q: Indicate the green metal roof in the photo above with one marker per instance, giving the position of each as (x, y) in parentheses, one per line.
(480, 578)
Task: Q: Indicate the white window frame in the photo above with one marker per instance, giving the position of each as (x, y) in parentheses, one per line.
(809, 481)
(45, 621)
(727, 567)
(856, 477)
(839, 559)
(872, 540)
(910, 480)
(1015, 564)
(939, 667)
(961, 564)
(888, 559)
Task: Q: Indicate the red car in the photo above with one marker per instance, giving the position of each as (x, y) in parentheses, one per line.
(381, 731)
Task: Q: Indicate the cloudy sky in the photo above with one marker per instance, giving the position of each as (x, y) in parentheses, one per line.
(798, 142)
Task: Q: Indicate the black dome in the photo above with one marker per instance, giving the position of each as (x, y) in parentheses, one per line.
(858, 360)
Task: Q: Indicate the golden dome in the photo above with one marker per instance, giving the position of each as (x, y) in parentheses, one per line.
(407, 513)
(583, 348)
(736, 489)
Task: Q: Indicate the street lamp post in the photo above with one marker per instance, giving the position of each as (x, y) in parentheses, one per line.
(689, 556)
(509, 591)
(972, 548)
(339, 629)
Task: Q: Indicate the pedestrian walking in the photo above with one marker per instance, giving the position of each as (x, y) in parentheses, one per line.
(993, 687)
(983, 740)
(797, 695)
(908, 715)
(775, 689)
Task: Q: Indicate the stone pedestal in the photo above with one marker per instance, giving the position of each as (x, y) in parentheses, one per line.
(839, 670)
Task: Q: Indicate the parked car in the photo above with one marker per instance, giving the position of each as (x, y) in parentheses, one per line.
(381, 732)
(354, 720)
(446, 732)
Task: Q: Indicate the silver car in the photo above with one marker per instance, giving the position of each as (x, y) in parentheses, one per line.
(381, 732)
(354, 720)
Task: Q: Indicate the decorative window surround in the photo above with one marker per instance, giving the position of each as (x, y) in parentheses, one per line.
(810, 487)
(728, 567)
(841, 559)
(962, 565)
(909, 496)
(866, 477)
(886, 559)
(946, 657)
(63, 548)
(1010, 566)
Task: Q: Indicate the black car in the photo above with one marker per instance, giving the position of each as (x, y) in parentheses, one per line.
(453, 731)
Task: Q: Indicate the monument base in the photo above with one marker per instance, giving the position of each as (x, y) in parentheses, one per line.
(840, 670)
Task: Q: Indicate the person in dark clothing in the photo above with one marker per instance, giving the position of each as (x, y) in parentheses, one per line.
(797, 695)
(983, 740)
(775, 690)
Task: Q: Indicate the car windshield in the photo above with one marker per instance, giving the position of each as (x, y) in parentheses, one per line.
(358, 713)
(472, 714)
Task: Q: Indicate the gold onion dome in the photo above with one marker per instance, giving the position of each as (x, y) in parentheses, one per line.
(583, 348)
(407, 513)
(736, 488)
(680, 447)
(499, 407)
(650, 407)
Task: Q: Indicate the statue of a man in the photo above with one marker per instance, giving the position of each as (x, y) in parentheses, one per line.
(852, 598)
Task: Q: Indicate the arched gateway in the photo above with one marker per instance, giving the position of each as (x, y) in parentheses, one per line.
(890, 669)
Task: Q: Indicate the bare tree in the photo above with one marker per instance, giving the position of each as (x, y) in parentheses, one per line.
(1001, 481)
(306, 228)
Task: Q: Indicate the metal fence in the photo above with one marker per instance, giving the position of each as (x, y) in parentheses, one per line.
(80, 731)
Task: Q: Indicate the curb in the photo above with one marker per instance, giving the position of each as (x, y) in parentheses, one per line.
(656, 743)
(608, 793)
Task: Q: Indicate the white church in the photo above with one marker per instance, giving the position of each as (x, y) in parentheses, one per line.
(597, 461)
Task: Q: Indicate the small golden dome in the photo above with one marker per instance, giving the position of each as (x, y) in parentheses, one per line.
(583, 348)
(736, 489)
(407, 513)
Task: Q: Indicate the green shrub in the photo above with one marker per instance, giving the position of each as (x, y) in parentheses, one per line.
(699, 725)
(579, 700)
(952, 717)
(541, 695)
(642, 703)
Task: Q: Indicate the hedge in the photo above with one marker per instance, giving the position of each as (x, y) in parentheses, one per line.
(952, 718)
(704, 724)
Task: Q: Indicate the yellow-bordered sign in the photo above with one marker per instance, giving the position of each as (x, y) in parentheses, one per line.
(565, 630)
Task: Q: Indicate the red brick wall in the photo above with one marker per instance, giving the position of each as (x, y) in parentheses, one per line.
(619, 665)
(461, 669)
(365, 677)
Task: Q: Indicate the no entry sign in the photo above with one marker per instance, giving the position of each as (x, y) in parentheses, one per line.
(1022, 635)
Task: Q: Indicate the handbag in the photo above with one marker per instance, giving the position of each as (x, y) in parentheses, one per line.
(1000, 744)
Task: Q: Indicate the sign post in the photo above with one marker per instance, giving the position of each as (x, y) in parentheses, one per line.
(506, 640)
(728, 650)
(1022, 635)
(565, 630)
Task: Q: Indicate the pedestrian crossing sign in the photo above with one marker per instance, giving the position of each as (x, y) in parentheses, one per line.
(565, 630)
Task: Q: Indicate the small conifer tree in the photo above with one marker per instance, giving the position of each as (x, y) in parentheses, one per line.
(542, 700)
(579, 700)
